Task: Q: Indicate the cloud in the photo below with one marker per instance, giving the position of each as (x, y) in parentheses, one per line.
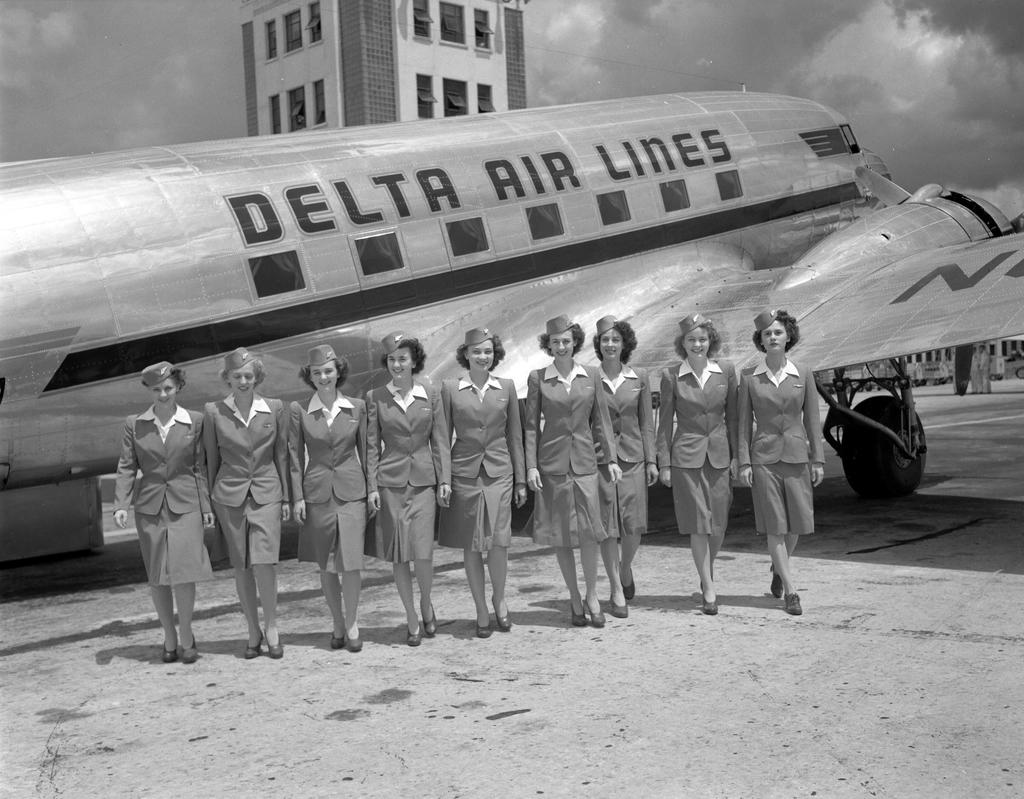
(998, 21)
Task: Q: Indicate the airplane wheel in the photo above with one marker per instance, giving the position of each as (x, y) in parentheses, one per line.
(874, 468)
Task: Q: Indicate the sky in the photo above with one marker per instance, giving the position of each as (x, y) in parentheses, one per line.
(936, 87)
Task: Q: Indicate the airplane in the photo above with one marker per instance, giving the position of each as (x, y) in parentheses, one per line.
(648, 208)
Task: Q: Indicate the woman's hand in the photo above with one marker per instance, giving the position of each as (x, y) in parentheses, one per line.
(520, 494)
(614, 472)
(444, 495)
(533, 480)
(734, 468)
(666, 477)
(373, 502)
(652, 474)
(121, 518)
(299, 510)
(746, 476)
(817, 473)
(208, 520)
(286, 512)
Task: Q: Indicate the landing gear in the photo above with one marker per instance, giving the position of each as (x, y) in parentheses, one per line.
(881, 440)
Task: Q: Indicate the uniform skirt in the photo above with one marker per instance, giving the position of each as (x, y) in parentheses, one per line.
(702, 498)
(252, 532)
(403, 529)
(783, 498)
(479, 515)
(567, 511)
(172, 546)
(624, 504)
(333, 534)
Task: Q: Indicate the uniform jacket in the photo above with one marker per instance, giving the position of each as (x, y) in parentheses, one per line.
(705, 418)
(410, 447)
(632, 417)
(788, 424)
(573, 421)
(488, 434)
(324, 458)
(242, 459)
(174, 470)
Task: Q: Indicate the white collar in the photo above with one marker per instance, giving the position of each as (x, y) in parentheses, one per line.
(787, 369)
(686, 369)
(180, 415)
(626, 372)
(417, 390)
(551, 373)
(316, 404)
(259, 405)
(465, 382)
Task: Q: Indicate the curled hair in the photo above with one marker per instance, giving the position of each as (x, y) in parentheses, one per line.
(714, 341)
(625, 330)
(792, 331)
(499, 353)
(578, 338)
(257, 368)
(340, 364)
(419, 355)
(177, 375)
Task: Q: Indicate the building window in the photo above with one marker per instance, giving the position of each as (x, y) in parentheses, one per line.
(613, 207)
(455, 98)
(319, 106)
(292, 31)
(452, 29)
(379, 254)
(674, 195)
(315, 31)
(272, 39)
(482, 29)
(545, 221)
(275, 113)
(467, 236)
(421, 20)
(297, 108)
(729, 185)
(484, 103)
(425, 96)
(276, 274)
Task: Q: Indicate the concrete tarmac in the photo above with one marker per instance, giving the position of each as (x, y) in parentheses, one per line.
(901, 679)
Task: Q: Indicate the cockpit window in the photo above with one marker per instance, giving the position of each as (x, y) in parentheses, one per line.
(851, 140)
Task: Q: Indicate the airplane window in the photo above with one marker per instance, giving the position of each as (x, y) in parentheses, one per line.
(545, 221)
(613, 207)
(674, 195)
(379, 254)
(729, 185)
(3, 387)
(851, 140)
(276, 274)
(467, 236)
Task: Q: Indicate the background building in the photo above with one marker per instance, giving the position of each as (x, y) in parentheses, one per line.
(335, 63)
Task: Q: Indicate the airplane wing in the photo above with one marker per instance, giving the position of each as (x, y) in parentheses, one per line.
(932, 299)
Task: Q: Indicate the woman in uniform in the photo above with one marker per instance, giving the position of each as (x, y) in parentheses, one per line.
(246, 438)
(172, 503)
(408, 463)
(784, 458)
(327, 454)
(482, 411)
(624, 504)
(566, 414)
(700, 457)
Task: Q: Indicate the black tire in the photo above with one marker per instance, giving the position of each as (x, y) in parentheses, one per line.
(873, 466)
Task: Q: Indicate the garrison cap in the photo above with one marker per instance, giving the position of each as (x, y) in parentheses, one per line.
(321, 354)
(694, 320)
(237, 358)
(477, 335)
(392, 340)
(764, 319)
(558, 325)
(605, 323)
(156, 374)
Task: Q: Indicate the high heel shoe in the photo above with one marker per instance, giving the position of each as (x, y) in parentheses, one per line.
(504, 622)
(597, 619)
(430, 627)
(484, 630)
(709, 607)
(413, 638)
(254, 651)
(353, 644)
(578, 619)
(629, 591)
(776, 586)
(620, 611)
(169, 655)
(337, 642)
(275, 651)
(190, 654)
